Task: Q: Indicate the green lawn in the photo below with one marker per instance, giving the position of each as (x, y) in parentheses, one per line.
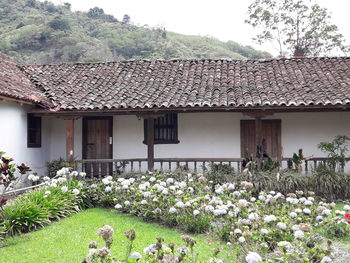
(67, 240)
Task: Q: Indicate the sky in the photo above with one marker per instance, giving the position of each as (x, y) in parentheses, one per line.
(222, 19)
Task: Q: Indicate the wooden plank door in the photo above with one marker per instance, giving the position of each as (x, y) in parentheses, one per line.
(98, 144)
(271, 134)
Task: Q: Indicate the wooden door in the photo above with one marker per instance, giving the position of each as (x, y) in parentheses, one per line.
(98, 144)
(271, 134)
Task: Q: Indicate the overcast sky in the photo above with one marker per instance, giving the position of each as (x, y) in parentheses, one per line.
(223, 19)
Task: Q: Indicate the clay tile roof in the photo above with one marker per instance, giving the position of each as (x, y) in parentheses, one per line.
(195, 83)
(15, 84)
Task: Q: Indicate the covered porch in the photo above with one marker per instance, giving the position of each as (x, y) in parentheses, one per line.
(103, 144)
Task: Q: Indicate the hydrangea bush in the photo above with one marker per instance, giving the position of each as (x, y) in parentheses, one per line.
(157, 252)
(276, 227)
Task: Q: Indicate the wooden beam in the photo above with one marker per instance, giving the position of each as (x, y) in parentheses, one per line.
(70, 140)
(150, 143)
(17, 100)
(268, 110)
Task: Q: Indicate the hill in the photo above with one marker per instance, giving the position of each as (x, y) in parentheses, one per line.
(41, 32)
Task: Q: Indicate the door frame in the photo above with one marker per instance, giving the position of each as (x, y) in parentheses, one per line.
(110, 133)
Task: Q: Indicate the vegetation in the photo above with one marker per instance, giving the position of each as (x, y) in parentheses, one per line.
(263, 221)
(41, 32)
(302, 28)
(66, 240)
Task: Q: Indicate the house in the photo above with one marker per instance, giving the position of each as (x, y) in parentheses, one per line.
(160, 114)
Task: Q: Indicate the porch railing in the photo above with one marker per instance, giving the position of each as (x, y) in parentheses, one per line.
(103, 167)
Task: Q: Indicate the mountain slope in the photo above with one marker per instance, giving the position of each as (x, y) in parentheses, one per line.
(41, 32)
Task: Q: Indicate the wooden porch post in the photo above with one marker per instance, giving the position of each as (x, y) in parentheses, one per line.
(150, 143)
(258, 136)
(69, 139)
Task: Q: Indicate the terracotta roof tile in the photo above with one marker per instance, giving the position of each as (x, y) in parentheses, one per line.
(194, 83)
(15, 84)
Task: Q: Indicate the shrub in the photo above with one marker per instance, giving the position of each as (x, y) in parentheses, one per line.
(58, 199)
(55, 165)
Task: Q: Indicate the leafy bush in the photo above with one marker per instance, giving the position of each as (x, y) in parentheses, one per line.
(336, 151)
(55, 165)
(58, 199)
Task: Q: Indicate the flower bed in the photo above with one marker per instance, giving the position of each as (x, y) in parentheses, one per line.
(265, 226)
(276, 227)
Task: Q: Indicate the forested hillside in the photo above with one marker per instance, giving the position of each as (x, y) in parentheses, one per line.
(41, 32)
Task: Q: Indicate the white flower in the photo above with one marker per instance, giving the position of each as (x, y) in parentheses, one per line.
(118, 206)
(62, 180)
(326, 259)
(106, 181)
(75, 191)
(229, 244)
(190, 189)
(241, 239)
(152, 179)
(281, 225)
(136, 255)
(319, 218)
(163, 184)
(253, 216)
(108, 189)
(142, 187)
(219, 212)
(64, 189)
(182, 184)
(253, 257)
(74, 173)
(180, 204)
(298, 234)
(93, 186)
(127, 203)
(179, 192)
(209, 208)
(269, 218)
(346, 207)
(172, 210)
(326, 212)
(144, 202)
(307, 211)
(253, 199)
(284, 244)
(219, 191)
(308, 203)
(146, 194)
(231, 187)
(196, 212)
(237, 231)
(293, 214)
(47, 192)
(243, 202)
(264, 231)
(46, 178)
(170, 181)
(82, 174)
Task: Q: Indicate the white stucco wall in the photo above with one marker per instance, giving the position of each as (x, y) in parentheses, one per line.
(201, 135)
(13, 137)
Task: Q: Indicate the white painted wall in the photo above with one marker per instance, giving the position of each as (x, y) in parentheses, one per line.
(201, 135)
(13, 137)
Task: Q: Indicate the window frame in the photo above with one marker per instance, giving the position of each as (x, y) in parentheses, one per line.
(37, 127)
(163, 123)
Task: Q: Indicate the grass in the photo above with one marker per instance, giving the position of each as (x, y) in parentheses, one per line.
(67, 240)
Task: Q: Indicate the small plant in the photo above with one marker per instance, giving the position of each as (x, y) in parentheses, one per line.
(56, 165)
(336, 151)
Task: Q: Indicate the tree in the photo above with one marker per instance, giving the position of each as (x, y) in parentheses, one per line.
(126, 19)
(59, 23)
(303, 28)
(95, 12)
